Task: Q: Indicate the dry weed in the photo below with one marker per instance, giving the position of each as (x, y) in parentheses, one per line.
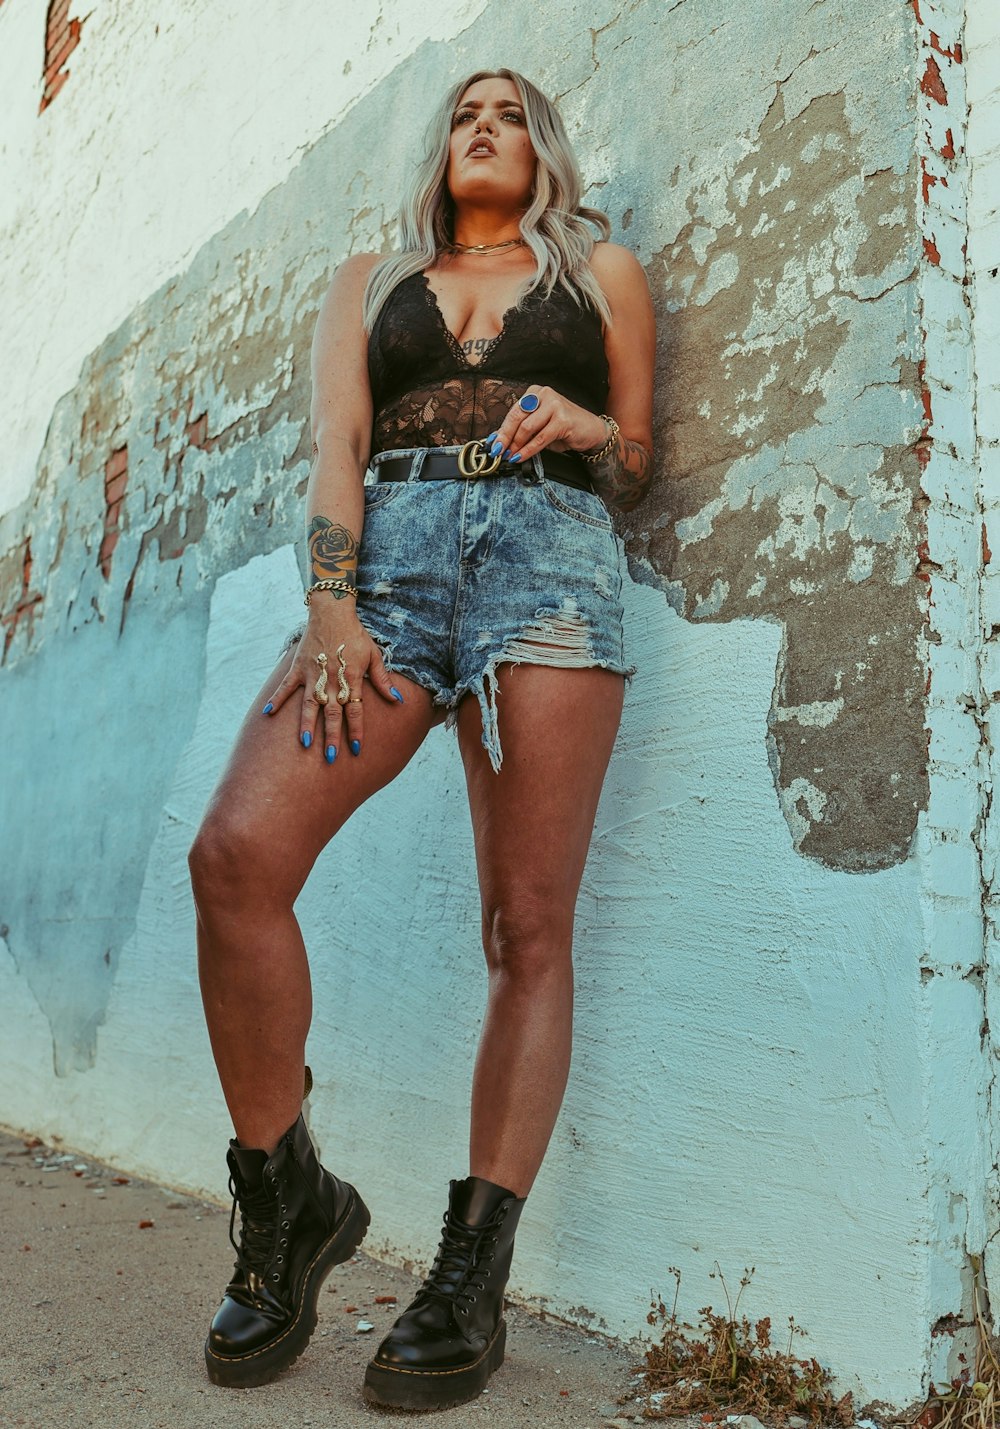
(971, 1400)
(728, 1365)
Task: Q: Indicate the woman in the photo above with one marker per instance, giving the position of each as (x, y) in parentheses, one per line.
(495, 377)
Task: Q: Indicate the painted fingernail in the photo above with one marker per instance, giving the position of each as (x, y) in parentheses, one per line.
(515, 458)
(267, 708)
(395, 694)
(331, 753)
(491, 438)
(355, 746)
(497, 446)
(506, 453)
(307, 739)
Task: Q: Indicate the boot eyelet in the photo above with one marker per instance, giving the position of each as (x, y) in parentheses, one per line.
(280, 1259)
(285, 1225)
(275, 1276)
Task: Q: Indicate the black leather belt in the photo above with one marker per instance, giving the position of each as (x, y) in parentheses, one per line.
(473, 463)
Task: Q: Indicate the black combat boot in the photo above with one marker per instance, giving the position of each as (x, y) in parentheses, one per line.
(296, 1222)
(446, 1344)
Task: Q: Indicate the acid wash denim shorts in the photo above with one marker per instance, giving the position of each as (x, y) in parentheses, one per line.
(458, 577)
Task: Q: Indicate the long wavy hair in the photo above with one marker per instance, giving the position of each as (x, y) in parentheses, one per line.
(556, 226)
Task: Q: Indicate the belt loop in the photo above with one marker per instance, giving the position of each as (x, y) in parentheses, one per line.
(418, 463)
(536, 462)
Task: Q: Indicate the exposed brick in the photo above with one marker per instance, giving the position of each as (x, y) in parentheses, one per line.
(107, 551)
(114, 488)
(931, 251)
(53, 89)
(948, 147)
(932, 85)
(116, 463)
(197, 431)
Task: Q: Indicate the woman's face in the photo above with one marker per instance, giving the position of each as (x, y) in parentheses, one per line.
(491, 157)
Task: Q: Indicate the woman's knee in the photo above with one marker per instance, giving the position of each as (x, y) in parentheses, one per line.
(528, 936)
(226, 860)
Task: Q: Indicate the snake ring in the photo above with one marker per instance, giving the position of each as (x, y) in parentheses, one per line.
(529, 402)
(343, 688)
(319, 689)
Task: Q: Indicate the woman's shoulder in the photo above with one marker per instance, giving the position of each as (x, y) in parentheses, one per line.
(614, 263)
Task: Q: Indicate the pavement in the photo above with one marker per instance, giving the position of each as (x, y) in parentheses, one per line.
(109, 1284)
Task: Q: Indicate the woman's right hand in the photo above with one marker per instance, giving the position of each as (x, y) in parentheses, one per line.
(329, 629)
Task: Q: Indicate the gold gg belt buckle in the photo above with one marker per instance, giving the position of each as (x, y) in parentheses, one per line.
(474, 460)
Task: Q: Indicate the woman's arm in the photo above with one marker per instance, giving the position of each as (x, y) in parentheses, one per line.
(622, 475)
(340, 421)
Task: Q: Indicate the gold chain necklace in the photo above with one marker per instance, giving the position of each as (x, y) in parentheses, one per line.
(483, 247)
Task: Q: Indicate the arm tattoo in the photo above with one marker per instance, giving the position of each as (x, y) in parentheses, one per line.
(621, 478)
(333, 552)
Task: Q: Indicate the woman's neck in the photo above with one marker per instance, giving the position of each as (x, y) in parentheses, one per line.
(476, 228)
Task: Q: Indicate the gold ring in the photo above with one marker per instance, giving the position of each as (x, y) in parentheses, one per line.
(343, 688)
(319, 689)
(354, 700)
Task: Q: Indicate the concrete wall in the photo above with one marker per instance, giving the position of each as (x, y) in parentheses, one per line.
(781, 981)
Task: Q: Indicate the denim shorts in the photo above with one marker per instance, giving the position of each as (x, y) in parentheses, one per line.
(457, 577)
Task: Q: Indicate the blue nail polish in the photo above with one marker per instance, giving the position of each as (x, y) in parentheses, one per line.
(307, 739)
(355, 746)
(506, 454)
(395, 694)
(515, 458)
(491, 438)
(497, 446)
(268, 708)
(331, 753)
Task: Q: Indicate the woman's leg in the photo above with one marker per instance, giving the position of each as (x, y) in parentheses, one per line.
(533, 823)
(274, 810)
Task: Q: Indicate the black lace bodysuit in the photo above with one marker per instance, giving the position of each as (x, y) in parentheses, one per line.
(427, 393)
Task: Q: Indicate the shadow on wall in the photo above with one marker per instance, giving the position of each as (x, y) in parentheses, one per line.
(780, 242)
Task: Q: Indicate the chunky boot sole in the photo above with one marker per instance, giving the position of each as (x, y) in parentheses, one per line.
(261, 1365)
(402, 1388)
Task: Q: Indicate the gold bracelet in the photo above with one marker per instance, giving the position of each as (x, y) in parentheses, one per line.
(345, 586)
(615, 429)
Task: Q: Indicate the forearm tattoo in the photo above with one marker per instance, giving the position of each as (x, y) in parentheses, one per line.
(333, 552)
(621, 478)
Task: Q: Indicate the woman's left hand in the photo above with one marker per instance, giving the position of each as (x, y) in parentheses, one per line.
(556, 422)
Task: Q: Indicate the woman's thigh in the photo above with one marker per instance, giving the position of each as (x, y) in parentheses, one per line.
(533, 820)
(277, 804)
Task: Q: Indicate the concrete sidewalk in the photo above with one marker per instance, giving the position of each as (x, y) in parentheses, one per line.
(110, 1284)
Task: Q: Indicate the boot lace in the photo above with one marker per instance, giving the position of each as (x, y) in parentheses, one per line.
(459, 1259)
(258, 1224)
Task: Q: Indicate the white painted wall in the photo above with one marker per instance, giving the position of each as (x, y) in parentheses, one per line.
(760, 1075)
(733, 1088)
(173, 119)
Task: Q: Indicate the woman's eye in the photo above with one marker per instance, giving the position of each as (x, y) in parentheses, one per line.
(511, 114)
(462, 116)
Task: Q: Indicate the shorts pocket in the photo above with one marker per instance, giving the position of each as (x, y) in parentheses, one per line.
(380, 493)
(584, 506)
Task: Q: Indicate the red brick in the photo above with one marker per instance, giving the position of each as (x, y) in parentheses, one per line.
(931, 251)
(116, 462)
(56, 58)
(111, 515)
(53, 89)
(114, 489)
(932, 84)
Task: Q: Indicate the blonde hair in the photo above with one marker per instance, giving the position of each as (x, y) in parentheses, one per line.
(554, 226)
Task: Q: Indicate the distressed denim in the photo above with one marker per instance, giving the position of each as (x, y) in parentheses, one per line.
(458, 577)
